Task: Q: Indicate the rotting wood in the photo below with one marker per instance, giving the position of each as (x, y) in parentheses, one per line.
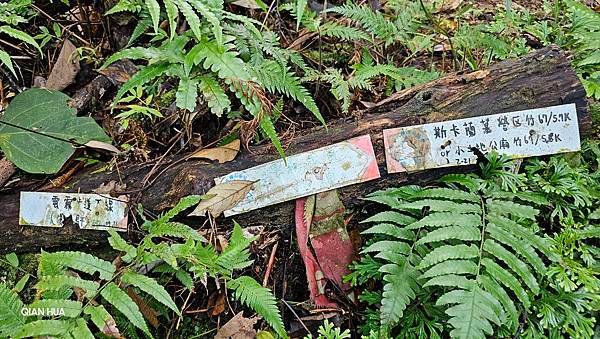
(540, 79)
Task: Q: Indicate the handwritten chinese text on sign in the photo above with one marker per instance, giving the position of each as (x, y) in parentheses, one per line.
(88, 211)
(519, 134)
(342, 164)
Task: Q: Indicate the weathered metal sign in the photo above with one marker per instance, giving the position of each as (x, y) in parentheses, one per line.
(88, 211)
(342, 164)
(519, 134)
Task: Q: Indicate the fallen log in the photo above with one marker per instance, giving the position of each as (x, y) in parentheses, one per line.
(539, 79)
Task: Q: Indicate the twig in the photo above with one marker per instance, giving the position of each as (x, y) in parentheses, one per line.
(270, 264)
(61, 25)
(295, 314)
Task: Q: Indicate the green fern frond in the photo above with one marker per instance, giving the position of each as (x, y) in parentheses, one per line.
(520, 247)
(20, 35)
(515, 264)
(507, 279)
(451, 280)
(55, 328)
(442, 219)
(387, 246)
(11, 318)
(520, 231)
(342, 32)
(151, 287)
(187, 93)
(451, 267)
(470, 182)
(142, 77)
(99, 316)
(80, 261)
(472, 314)
(118, 243)
(391, 216)
(81, 330)
(451, 232)
(440, 206)
(123, 302)
(266, 125)
(490, 285)
(399, 290)
(213, 95)
(503, 207)
(372, 21)
(391, 230)
(220, 59)
(447, 252)
(174, 229)
(446, 193)
(249, 292)
(58, 282)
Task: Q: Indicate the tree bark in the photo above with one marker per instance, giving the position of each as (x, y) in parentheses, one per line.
(539, 79)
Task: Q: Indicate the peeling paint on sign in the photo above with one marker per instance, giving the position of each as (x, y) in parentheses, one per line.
(519, 134)
(88, 211)
(342, 164)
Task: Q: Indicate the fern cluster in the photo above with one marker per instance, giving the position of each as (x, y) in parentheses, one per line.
(13, 13)
(473, 249)
(92, 291)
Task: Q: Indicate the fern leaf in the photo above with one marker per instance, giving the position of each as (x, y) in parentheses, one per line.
(300, 7)
(518, 266)
(80, 261)
(391, 216)
(503, 207)
(151, 287)
(492, 287)
(187, 93)
(266, 125)
(58, 282)
(142, 77)
(210, 17)
(521, 232)
(471, 315)
(451, 267)
(11, 318)
(236, 255)
(391, 230)
(71, 308)
(81, 330)
(451, 280)
(441, 219)
(440, 206)
(399, 290)
(447, 193)
(260, 299)
(372, 21)
(342, 32)
(520, 247)
(588, 232)
(218, 59)
(123, 302)
(133, 53)
(20, 35)
(387, 246)
(446, 252)
(172, 12)
(175, 229)
(213, 94)
(191, 17)
(101, 318)
(119, 244)
(37, 328)
(7, 61)
(466, 180)
(383, 199)
(507, 279)
(183, 204)
(451, 232)
(154, 10)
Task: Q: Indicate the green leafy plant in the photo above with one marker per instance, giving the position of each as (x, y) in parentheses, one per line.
(329, 331)
(88, 290)
(135, 105)
(43, 118)
(13, 13)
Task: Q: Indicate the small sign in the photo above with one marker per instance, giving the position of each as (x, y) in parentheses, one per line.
(342, 164)
(88, 211)
(519, 134)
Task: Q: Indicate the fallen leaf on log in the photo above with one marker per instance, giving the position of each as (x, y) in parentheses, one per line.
(65, 68)
(216, 303)
(223, 197)
(222, 154)
(238, 327)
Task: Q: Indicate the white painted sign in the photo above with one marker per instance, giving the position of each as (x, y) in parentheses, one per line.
(342, 164)
(519, 134)
(88, 211)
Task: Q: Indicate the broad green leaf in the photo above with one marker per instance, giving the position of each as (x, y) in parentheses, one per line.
(187, 93)
(43, 328)
(48, 114)
(12, 259)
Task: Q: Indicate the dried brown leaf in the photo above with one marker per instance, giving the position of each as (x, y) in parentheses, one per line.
(246, 4)
(450, 5)
(147, 311)
(238, 327)
(223, 197)
(222, 154)
(102, 145)
(65, 68)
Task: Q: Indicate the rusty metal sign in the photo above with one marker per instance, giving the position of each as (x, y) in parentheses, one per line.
(342, 164)
(88, 211)
(519, 134)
